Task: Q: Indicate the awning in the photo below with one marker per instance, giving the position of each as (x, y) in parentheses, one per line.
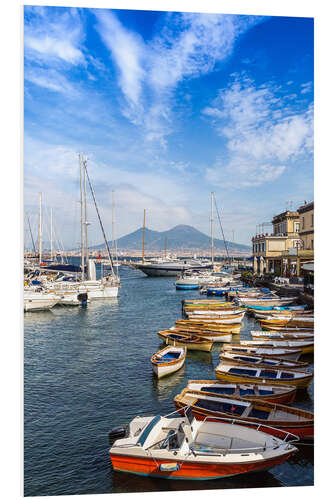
(308, 266)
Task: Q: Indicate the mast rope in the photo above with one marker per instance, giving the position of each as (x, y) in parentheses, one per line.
(99, 218)
(218, 215)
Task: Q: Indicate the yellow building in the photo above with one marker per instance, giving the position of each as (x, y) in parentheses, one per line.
(289, 247)
(266, 247)
(306, 232)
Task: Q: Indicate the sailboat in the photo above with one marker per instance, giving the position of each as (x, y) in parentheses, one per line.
(108, 285)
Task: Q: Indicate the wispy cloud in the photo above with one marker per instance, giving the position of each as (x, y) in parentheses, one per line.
(50, 79)
(262, 133)
(187, 46)
(306, 88)
(57, 38)
(128, 52)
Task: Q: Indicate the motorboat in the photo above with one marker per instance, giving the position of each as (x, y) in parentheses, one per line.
(181, 447)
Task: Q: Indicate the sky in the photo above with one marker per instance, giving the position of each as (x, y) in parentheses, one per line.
(167, 107)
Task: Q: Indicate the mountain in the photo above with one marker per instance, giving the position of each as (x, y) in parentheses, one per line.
(178, 238)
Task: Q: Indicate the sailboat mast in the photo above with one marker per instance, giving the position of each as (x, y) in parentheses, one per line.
(40, 229)
(165, 247)
(85, 214)
(112, 227)
(211, 230)
(143, 235)
(82, 232)
(51, 237)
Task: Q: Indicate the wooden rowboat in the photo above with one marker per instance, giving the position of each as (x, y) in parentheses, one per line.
(264, 392)
(263, 351)
(225, 313)
(204, 325)
(263, 361)
(303, 322)
(206, 334)
(282, 336)
(168, 360)
(183, 340)
(307, 347)
(234, 319)
(249, 413)
(289, 328)
(234, 372)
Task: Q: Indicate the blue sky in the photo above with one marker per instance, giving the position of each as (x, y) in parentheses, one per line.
(168, 107)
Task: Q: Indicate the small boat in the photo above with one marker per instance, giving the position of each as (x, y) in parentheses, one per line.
(249, 373)
(250, 413)
(199, 302)
(204, 325)
(273, 394)
(268, 351)
(168, 360)
(213, 336)
(277, 308)
(307, 347)
(225, 312)
(249, 302)
(288, 329)
(282, 336)
(301, 321)
(232, 319)
(248, 359)
(274, 314)
(175, 447)
(187, 283)
(184, 340)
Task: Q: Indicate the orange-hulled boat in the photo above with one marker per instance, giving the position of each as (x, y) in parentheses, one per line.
(175, 447)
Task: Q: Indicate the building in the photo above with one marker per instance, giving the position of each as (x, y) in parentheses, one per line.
(266, 247)
(289, 247)
(306, 232)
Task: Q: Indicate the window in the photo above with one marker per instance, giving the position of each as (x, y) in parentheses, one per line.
(303, 222)
(311, 244)
(296, 227)
(311, 220)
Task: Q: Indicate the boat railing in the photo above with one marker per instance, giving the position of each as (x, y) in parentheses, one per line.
(259, 426)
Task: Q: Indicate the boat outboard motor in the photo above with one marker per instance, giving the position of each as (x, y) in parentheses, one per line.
(83, 298)
(117, 433)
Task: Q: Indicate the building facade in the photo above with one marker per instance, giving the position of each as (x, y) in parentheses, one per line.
(306, 233)
(266, 247)
(289, 246)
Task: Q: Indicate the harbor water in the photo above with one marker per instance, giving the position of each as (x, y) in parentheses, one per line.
(87, 370)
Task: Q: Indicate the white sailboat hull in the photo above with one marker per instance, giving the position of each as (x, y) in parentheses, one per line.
(39, 301)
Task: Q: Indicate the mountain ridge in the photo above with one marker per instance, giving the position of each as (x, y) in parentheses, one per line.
(180, 237)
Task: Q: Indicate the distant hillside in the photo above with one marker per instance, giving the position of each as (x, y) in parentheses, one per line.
(179, 238)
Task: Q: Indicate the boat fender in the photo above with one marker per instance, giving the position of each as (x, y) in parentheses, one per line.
(117, 433)
(170, 467)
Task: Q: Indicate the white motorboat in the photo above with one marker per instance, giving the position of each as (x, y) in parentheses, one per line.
(175, 447)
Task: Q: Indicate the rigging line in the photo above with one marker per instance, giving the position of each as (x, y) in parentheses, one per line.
(33, 243)
(218, 215)
(99, 218)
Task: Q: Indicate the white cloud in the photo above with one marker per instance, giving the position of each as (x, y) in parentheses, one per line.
(306, 87)
(50, 79)
(128, 52)
(188, 45)
(263, 133)
(56, 38)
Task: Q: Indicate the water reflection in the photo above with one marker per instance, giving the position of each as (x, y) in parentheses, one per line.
(130, 483)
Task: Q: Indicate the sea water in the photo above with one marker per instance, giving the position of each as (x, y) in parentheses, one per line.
(87, 370)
